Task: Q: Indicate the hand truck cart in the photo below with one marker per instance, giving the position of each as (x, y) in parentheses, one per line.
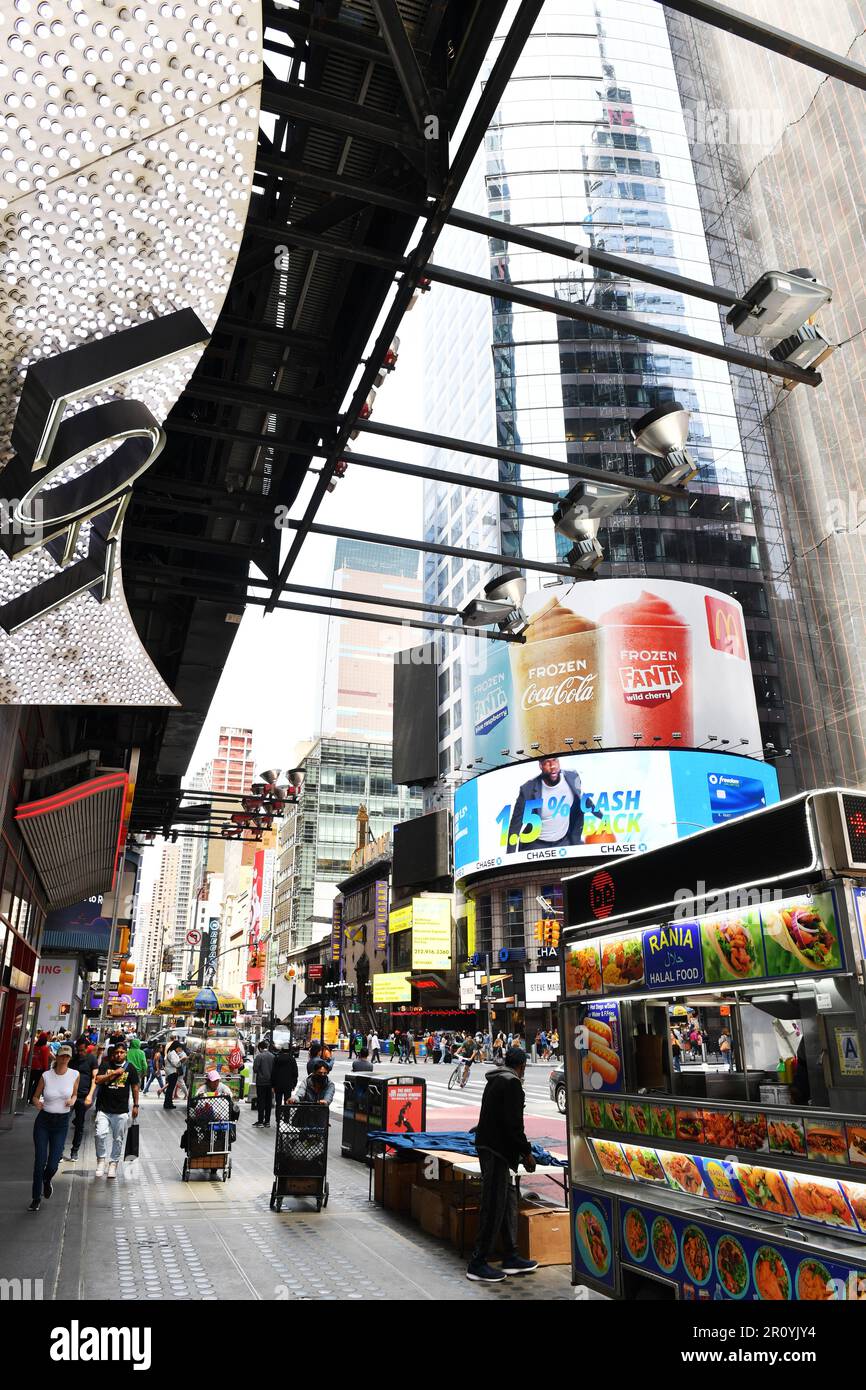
(209, 1133)
(301, 1154)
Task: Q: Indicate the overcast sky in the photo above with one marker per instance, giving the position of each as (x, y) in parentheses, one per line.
(272, 679)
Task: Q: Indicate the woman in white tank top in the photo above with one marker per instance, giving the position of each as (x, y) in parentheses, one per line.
(54, 1098)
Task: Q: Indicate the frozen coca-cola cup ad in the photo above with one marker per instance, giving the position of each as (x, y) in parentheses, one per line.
(648, 673)
(556, 680)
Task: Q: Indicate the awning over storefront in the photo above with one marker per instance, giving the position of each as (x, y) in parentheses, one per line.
(74, 837)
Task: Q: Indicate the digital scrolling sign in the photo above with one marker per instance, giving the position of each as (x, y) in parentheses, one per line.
(593, 805)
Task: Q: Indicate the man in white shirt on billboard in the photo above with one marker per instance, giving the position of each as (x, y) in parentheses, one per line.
(556, 795)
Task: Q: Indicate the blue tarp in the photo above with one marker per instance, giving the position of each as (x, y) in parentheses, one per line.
(455, 1141)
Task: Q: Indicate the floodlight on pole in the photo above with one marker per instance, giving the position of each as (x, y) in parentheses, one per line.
(580, 513)
(779, 304)
(663, 432)
(501, 605)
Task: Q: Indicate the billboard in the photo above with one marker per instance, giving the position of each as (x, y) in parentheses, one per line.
(585, 805)
(604, 662)
(119, 1005)
(431, 933)
(391, 988)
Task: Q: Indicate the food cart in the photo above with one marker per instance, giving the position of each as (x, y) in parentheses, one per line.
(700, 1171)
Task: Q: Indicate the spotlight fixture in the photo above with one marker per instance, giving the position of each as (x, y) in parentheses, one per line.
(501, 606)
(637, 738)
(805, 348)
(578, 516)
(663, 432)
(366, 411)
(779, 304)
(570, 742)
(676, 736)
(389, 362)
(534, 747)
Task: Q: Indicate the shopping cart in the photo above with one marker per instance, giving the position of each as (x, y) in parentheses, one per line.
(208, 1136)
(301, 1154)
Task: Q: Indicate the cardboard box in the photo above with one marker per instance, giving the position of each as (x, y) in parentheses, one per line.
(395, 1178)
(431, 1206)
(544, 1234)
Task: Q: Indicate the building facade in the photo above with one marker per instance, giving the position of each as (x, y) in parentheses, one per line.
(318, 835)
(357, 697)
(590, 145)
(781, 186)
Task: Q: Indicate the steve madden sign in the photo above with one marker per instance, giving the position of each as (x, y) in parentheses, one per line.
(65, 472)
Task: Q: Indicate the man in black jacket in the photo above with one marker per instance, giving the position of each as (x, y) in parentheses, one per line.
(284, 1077)
(502, 1145)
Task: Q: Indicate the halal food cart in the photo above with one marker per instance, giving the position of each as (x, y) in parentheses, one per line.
(738, 1173)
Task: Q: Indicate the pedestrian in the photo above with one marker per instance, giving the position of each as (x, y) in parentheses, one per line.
(726, 1049)
(554, 1043)
(39, 1063)
(499, 1046)
(84, 1062)
(284, 1078)
(375, 1047)
(317, 1088)
(263, 1069)
(411, 1054)
(173, 1063)
(502, 1145)
(136, 1058)
(55, 1095)
(156, 1070)
(324, 1054)
(676, 1049)
(117, 1081)
(362, 1061)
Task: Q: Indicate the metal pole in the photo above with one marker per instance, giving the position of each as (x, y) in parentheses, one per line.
(489, 1009)
(112, 940)
(515, 562)
(621, 325)
(373, 617)
(292, 1018)
(767, 36)
(273, 1002)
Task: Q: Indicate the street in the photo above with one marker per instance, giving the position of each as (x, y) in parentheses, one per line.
(154, 1237)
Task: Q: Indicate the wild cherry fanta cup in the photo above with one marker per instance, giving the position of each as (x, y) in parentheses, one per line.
(648, 673)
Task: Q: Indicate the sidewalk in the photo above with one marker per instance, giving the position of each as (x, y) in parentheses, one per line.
(159, 1238)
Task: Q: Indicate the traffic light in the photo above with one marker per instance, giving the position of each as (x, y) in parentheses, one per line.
(122, 948)
(127, 975)
(552, 938)
(540, 927)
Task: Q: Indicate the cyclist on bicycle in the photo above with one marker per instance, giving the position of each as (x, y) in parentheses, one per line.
(468, 1050)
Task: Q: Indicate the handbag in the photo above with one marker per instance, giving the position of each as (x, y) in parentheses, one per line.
(132, 1137)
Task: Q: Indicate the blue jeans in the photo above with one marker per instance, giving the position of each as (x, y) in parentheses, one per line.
(49, 1136)
(115, 1126)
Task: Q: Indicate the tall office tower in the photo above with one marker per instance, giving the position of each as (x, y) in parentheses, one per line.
(318, 835)
(234, 771)
(781, 187)
(589, 144)
(163, 914)
(357, 690)
(189, 874)
(146, 944)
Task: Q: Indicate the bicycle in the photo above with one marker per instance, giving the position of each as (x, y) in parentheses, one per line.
(460, 1074)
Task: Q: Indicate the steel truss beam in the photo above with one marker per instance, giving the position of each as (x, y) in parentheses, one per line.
(324, 33)
(343, 116)
(457, 628)
(767, 36)
(406, 66)
(473, 138)
(620, 324)
(309, 241)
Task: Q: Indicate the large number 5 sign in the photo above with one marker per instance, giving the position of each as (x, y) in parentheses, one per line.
(55, 498)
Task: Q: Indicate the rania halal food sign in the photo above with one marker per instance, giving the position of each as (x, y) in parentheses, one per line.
(129, 145)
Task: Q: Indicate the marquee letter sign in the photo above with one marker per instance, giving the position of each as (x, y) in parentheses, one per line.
(56, 492)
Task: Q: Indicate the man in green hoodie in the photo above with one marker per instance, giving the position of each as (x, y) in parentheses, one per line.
(136, 1058)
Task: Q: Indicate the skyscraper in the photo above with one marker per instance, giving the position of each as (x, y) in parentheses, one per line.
(357, 698)
(590, 145)
(774, 147)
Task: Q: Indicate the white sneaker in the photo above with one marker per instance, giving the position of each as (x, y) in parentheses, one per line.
(112, 1170)
(100, 1168)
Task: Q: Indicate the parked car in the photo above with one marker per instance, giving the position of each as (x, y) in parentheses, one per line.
(556, 1082)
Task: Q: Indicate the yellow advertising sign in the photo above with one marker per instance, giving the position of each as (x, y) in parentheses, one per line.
(470, 927)
(400, 920)
(431, 933)
(391, 989)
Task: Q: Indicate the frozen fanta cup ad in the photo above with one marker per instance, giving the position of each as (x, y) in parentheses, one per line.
(647, 672)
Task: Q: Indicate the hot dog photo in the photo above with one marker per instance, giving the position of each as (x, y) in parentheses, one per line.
(598, 1041)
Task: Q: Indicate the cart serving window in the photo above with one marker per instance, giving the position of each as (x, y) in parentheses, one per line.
(716, 1067)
